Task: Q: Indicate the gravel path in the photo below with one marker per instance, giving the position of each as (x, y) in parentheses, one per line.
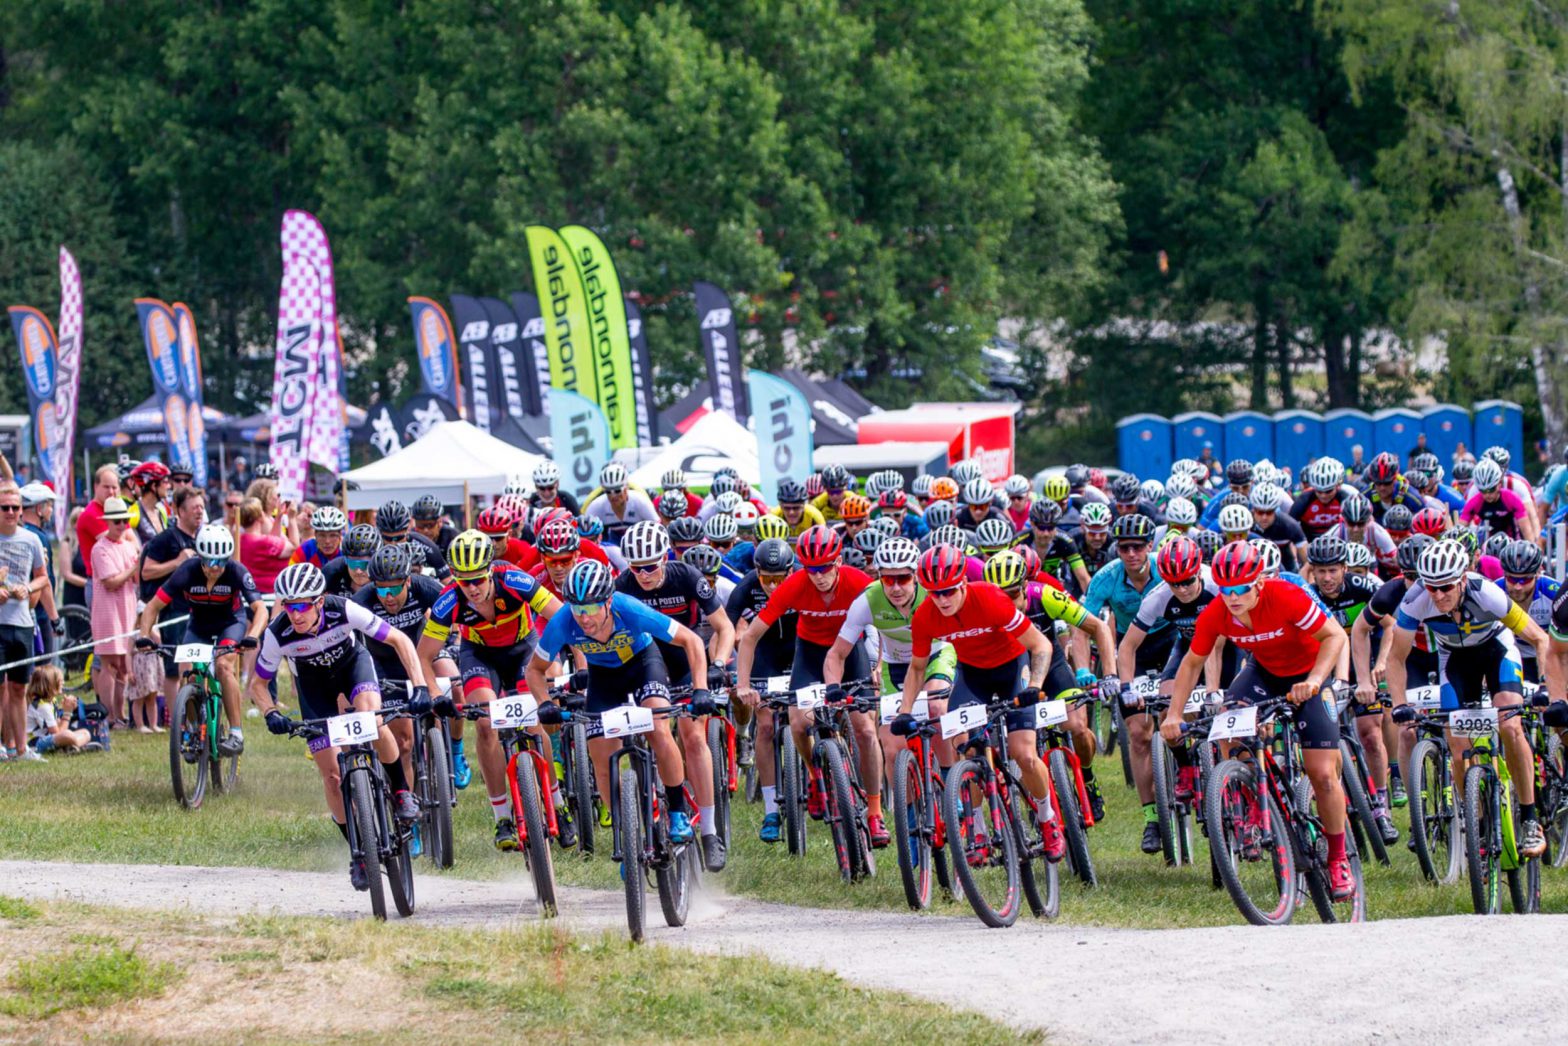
(1305, 984)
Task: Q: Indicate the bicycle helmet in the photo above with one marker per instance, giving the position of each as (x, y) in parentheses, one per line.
(854, 507)
(791, 493)
(705, 558)
(515, 485)
(494, 521)
(993, 535)
(1031, 559)
(1265, 472)
(774, 556)
(836, 477)
(125, 468)
(391, 563)
(1398, 518)
(1097, 478)
(948, 535)
(673, 479)
(1055, 488)
(1045, 513)
(940, 514)
(1186, 467)
(1419, 479)
(892, 500)
(1326, 550)
(720, 527)
(1016, 486)
(942, 567)
(427, 507)
(1095, 516)
(518, 506)
(1180, 485)
(721, 485)
(885, 526)
(1429, 521)
(588, 583)
(1488, 475)
(1494, 545)
(558, 537)
(470, 554)
(944, 489)
(853, 557)
(868, 540)
(1179, 560)
(686, 530)
(1522, 557)
(977, 492)
(888, 479)
(1426, 461)
(671, 504)
(746, 517)
(966, 471)
(1443, 563)
(149, 472)
(1133, 527)
(1208, 542)
(1384, 469)
(1464, 470)
(1238, 563)
(361, 541)
(299, 582)
(813, 485)
(590, 527)
(1006, 570)
(1408, 556)
(1235, 519)
(1465, 535)
(1266, 497)
(1238, 472)
(1356, 510)
(214, 541)
(647, 542)
(1269, 553)
(1179, 512)
(328, 519)
(770, 527)
(1359, 557)
(920, 486)
(1124, 489)
(819, 546)
(1077, 474)
(1499, 455)
(1151, 490)
(266, 470)
(1323, 474)
(727, 470)
(393, 518)
(1236, 497)
(897, 554)
(612, 478)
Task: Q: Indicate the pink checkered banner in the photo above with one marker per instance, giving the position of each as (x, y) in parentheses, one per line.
(307, 402)
(68, 382)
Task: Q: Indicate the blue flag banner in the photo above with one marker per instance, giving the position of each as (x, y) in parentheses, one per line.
(160, 333)
(781, 418)
(581, 438)
(36, 338)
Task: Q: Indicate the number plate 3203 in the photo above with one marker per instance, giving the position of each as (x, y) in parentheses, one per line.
(1473, 722)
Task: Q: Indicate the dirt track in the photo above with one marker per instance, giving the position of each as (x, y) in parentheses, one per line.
(1304, 984)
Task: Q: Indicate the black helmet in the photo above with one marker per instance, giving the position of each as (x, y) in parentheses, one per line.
(1521, 557)
(686, 529)
(392, 517)
(1355, 510)
(1326, 550)
(705, 558)
(1077, 475)
(427, 507)
(266, 470)
(1464, 468)
(774, 556)
(836, 477)
(1426, 462)
(791, 492)
(1496, 543)
(1125, 490)
(1239, 471)
(1398, 517)
(1133, 527)
(1209, 541)
(1409, 554)
(1045, 513)
(390, 563)
(361, 541)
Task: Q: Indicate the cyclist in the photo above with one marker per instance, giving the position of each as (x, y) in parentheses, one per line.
(1530, 591)
(679, 591)
(1499, 509)
(978, 506)
(1059, 554)
(547, 492)
(674, 482)
(774, 654)
(218, 591)
(854, 515)
(792, 508)
(1269, 523)
(395, 524)
(428, 522)
(329, 523)
(498, 523)
(1235, 523)
(721, 534)
(1238, 478)
(1357, 527)
(620, 508)
(560, 549)
(1319, 508)
(1294, 647)
(1511, 480)
(332, 672)
(350, 572)
(836, 482)
(489, 604)
(1474, 625)
(999, 654)
(1388, 488)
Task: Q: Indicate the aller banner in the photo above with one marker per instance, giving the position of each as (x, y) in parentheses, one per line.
(67, 385)
(721, 349)
(535, 360)
(506, 348)
(606, 334)
(436, 348)
(307, 400)
(642, 374)
(161, 336)
(473, 335)
(560, 292)
(191, 385)
(40, 367)
(781, 418)
(581, 439)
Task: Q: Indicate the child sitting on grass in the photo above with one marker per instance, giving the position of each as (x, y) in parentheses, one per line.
(46, 729)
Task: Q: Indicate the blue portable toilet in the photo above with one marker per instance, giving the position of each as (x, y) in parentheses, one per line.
(1394, 430)
(1249, 434)
(1446, 426)
(1190, 431)
(1143, 445)
(1500, 422)
(1298, 438)
(1344, 428)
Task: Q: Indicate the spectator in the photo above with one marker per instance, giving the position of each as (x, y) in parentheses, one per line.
(240, 475)
(38, 518)
(302, 522)
(279, 514)
(161, 556)
(262, 552)
(1419, 448)
(106, 484)
(1462, 453)
(73, 574)
(46, 730)
(232, 500)
(1358, 460)
(21, 574)
(114, 561)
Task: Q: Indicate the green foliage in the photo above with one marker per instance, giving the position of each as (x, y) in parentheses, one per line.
(81, 977)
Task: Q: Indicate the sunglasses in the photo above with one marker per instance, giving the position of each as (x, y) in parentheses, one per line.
(544, 486)
(384, 591)
(471, 582)
(1136, 546)
(1515, 579)
(615, 490)
(823, 569)
(775, 579)
(559, 561)
(359, 564)
(1186, 582)
(18, 508)
(835, 490)
(945, 593)
(231, 504)
(589, 609)
(214, 564)
(1438, 590)
(648, 568)
(299, 608)
(722, 546)
(1014, 592)
(897, 579)
(1235, 590)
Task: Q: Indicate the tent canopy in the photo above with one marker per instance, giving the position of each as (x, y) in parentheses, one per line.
(713, 441)
(453, 459)
(143, 423)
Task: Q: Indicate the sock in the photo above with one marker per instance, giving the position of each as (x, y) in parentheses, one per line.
(1526, 811)
(501, 807)
(342, 828)
(236, 733)
(770, 799)
(1393, 772)
(1088, 774)
(1150, 814)
(395, 775)
(874, 805)
(1336, 846)
(710, 824)
(675, 799)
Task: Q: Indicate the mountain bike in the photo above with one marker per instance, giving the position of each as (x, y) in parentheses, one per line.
(1436, 820)
(918, 829)
(1551, 777)
(721, 739)
(790, 769)
(1173, 816)
(576, 772)
(1069, 792)
(198, 724)
(433, 784)
(846, 812)
(1491, 813)
(1354, 775)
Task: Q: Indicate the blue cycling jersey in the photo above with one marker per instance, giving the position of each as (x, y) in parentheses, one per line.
(1110, 587)
(636, 625)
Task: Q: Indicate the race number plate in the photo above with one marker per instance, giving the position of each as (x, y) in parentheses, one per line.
(1426, 698)
(193, 654)
(510, 713)
(1146, 687)
(959, 720)
(356, 728)
(1473, 722)
(809, 697)
(890, 703)
(1240, 722)
(1195, 702)
(1049, 713)
(778, 684)
(624, 722)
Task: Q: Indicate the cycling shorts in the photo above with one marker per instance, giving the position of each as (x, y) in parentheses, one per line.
(632, 683)
(229, 635)
(942, 665)
(318, 689)
(496, 669)
(1314, 719)
(809, 657)
(1469, 672)
(978, 686)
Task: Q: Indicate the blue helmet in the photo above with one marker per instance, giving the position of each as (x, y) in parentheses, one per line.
(589, 582)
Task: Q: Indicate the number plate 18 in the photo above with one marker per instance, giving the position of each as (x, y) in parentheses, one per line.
(356, 728)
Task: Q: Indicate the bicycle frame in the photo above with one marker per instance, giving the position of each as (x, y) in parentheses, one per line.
(1057, 739)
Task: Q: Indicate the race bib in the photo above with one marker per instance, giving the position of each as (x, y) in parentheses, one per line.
(1195, 702)
(510, 713)
(960, 720)
(778, 684)
(1473, 722)
(356, 728)
(1426, 698)
(1146, 687)
(193, 654)
(624, 722)
(1240, 722)
(809, 697)
(890, 703)
(1049, 713)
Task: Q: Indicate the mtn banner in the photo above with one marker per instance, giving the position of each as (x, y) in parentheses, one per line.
(189, 357)
(536, 355)
(506, 348)
(307, 379)
(35, 338)
(721, 350)
(642, 374)
(68, 380)
(606, 335)
(561, 303)
(781, 417)
(161, 336)
(477, 353)
(436, 349)
(581, 441)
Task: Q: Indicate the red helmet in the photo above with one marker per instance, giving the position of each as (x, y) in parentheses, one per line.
(942, 566)
(516, 504)
(1180, 560)
(1238, 563)
(1097, 478)
(551, 515)
(1384, 468)
(558, 537)
(814, 484)
(149, 472)
(1429, 521)
(494, 521)
(893, 499)
(1031, 559)
(819, 546)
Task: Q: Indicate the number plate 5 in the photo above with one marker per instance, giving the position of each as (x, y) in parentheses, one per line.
(624, 722)
(1241, 722)
(356, 728)
(509, 713)
(959, 720)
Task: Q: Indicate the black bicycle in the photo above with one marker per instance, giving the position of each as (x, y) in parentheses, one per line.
(434, 786)
(1357, 779)
(918, 830)
(789, 767)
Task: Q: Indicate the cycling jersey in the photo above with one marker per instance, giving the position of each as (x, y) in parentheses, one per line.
(427, 556)
(328, 661)
(410, 620)
(1061, 557)
(1501, 516)
(887, 633)
(984, 632)
(213, 606)
(636, 625)
(1351, 600)
(684, 595)
(1402, 495)
(1376, 539)
(1285, 534)
(966, 520)
(443, 537)
(310, 553)
(817, 620)
(561, 500)
(638, 510)
(776, 646)
(1161, 607)
(809, 517)
(1044, 606)
(1484, 611)
(1094, 559)
(1539, 608)
(1110, 587)
(1280, 635)
(514, 594)
(338, 581)
(1386, 601)
(824, 508)
(1317, 516)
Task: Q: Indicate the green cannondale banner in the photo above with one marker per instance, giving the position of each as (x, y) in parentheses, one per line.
(566, 333)
(607, 339)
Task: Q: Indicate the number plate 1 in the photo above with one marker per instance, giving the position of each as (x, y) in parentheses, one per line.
(624, 722)
(193, 654)
(1049, 713)
(890, 703)
(1473, 722)
(960, 720)
(510, 713)
(1241, 722)
(809, 697)
(356, 728)
(1425, 697)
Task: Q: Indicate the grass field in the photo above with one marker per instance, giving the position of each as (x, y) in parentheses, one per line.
(118, 807)
(72, 973)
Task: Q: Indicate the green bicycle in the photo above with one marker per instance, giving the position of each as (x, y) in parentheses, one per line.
(1490, 813)
(198, 725)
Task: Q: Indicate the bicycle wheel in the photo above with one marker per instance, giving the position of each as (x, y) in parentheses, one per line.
(1123, 747)
(398, 863)
(1553, 801)
(1249, 838)
(911, 820)
(580, 777)
(438, 814)
(1163, 765)
(750, 783)
(78, 622)
(719, 752)
(1354, 908)
(675, 876)
(792, 794)
(984, 852)
(1434, 816)
(1353, 773)
(628, 828)
(188, 762)
(1040, 879)
(1524, 880)
(1065, 783)
(842, 813)
(225, 771)
(536, 853)
(367, 836)
(1482, 840)
(1103, 723)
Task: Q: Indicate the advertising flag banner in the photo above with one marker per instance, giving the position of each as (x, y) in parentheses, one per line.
(506, 347)
(35, 338)
(781, 417)
(307, 417)
(560, 294)
(607, 337)
(642, 374)
(191, 385)
(581, 439)
(68, 381)
(161, 335)
(436, 348)
(536, 354)
(721, 350)
(473, 339)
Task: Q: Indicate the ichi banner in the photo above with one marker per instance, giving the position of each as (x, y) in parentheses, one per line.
(161, 336)
(642, 374)
(40, 368)
(437, 350)
(560, 294)
(473, 336)
(721, 350)
(782, 420)
(68, 380)
(191, 384)
(606, 335)
(581, 439)
(506, 348)
(535, 361)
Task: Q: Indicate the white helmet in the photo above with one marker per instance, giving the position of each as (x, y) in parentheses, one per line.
(673, 478)
(1498, 454)
(1266, 497)
(1235, 519)
(1016, 486)
(728, 502)
(720, 527)
(214, 541)
(1151, 489)
(977, 492)
(298, 582)
(1265, 472)
(1323, 474)
(884, 480)
(1183, 466)
(1181, 512)
(612, 475)
(328, 518)
(516, 485)
(546, 474)
(896, 554)
(1198, 471)
(1443, 562)
(1358, 555)
(965, 471)
(1270, 553)
(1488, 475)
(994, 533)
(646, 542)
(1181, 486)
(746, 515)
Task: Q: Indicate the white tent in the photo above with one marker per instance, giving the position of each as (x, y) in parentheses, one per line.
(454, 459)
(714, 441)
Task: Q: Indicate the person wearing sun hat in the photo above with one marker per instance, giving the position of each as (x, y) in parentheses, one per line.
(115, 556)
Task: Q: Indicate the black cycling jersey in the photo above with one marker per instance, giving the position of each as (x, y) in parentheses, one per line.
(562, 500)
(428, 554)
(1094, 559)
(776, 647)
(443, 537)
(1161, 604)
(1286, 534)
(966, 520)
(1389, 595)
(212, 607)
(338, 581)
(1497, 517)
(1354, 596)
(409, 620)
(1055, 559)
(684, 595)
(327, 662)
(169, 543)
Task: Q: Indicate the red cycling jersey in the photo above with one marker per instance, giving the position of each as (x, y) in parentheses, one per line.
(1280, 636)
(815, 621)
(984, 632)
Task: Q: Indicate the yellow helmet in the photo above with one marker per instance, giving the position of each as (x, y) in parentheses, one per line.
(1006, 570)
(470, 553)
(769, 527)
(1056, 488)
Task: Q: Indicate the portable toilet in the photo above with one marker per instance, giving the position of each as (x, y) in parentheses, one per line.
(1298, 438)
(1500, 423)
(1249, 434)
(1446, 426)
(1143, 445)
(1344, 428)
(1394, 430)
(1190, 431)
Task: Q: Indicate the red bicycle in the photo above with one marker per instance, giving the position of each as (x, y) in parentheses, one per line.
(917, 812)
